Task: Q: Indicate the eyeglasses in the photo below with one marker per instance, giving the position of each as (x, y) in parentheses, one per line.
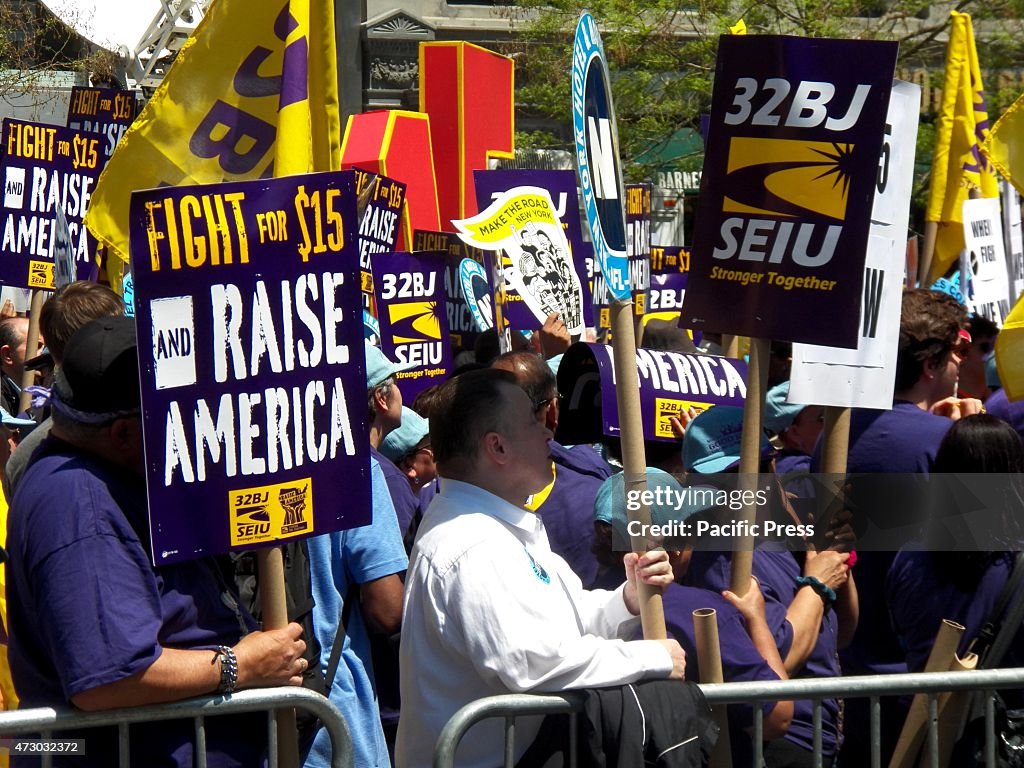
(538, 404)
(411, 455)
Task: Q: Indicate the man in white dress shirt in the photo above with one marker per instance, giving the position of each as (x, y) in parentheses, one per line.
(489, 609)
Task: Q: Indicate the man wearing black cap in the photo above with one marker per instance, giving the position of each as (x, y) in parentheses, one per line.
(63, 313)
(93, 623)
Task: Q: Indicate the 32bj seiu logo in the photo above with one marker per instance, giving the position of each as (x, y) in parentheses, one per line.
(784, 177)
(789, 181)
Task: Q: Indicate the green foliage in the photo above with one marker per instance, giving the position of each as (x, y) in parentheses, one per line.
(661, 56)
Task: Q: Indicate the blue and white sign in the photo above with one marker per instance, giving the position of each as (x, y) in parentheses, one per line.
(473, 277)
(597, 154)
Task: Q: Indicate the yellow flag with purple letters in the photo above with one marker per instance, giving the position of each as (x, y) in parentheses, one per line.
(253, 93)
(958, 167)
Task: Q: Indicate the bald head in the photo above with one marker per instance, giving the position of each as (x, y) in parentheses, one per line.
(535, 377)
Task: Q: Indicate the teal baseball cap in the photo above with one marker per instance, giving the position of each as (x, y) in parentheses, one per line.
(379, 368)
(712, 440)
(403, 441)
(779, 414)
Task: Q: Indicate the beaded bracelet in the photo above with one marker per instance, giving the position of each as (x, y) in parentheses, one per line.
(228, 669)
(824, 591)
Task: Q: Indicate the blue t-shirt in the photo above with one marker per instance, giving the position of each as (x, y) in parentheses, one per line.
(777, 572)
(87, 608)
(920, 597)
(403, 500)
(336, 562)
(568, 509)
(903, 441)
(740, 660)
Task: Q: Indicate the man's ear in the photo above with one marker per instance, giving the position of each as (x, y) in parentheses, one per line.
(5, 355)
(380, 400)
(493, 447)
(930, 368)
(123, 432)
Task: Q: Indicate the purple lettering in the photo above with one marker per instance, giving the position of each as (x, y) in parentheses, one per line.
(241, 128)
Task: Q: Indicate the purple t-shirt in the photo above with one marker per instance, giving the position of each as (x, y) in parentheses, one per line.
(86, 607)
(998, 404)
(902, 441)
(920, 597)
(740, 660)
(568, 510)
(407, 506)
(777, 572)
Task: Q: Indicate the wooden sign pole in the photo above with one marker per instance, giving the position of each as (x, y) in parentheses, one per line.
(270, 570)
(634, 461)
(750, 461)
(709, 657)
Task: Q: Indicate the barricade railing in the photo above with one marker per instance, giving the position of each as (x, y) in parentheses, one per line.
(872, 687)
(46, 722)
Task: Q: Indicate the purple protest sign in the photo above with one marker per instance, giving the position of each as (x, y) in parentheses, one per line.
(786, 192)
(638, 243)
(413, 318)
(561, 185)
(45, 166)
(378, 227)
(462, 327)
(251, 359)
(669, 259)
(106, 112)
(670, 383)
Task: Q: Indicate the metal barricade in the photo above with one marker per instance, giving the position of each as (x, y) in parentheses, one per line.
(44, 722)
(817, 689)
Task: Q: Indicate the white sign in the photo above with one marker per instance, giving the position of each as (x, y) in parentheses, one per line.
(174, 351)
(983, 238)
(1015, 240)
(864, 377)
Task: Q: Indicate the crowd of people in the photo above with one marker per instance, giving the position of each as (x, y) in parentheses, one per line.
(497, 558)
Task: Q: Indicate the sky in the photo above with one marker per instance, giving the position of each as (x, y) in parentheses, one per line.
(107, 22)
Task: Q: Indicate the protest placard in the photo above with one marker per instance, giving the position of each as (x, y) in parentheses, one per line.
(413, 318)
(521, 223)
(106, 112)
(561, 185)
(462, 322)
(251, 359)
(379, 228)
(786, 191)
(670, 383)
(45, 166)
(983, 236)
(638, 243)
(864, 376)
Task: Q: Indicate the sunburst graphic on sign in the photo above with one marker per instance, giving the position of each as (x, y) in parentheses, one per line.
(789, 178)
(415, 317)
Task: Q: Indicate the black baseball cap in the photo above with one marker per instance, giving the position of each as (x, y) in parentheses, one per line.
(98, 380)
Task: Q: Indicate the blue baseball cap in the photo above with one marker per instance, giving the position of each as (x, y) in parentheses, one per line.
(403, 441)
(378, 367)
(779, 414)
(712, 440)
(610, 503)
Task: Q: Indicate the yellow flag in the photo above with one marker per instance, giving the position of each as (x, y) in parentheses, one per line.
(958, 166)
(739, 28)
(1004, 146)
(253, 72)
(1010, 352)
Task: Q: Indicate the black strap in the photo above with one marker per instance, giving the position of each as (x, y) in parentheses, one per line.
(1011, 622)
(339, 638)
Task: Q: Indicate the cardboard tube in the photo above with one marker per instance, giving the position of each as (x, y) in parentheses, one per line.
(834, 453)
(28, 378)
(634, 462)
(270, 570)
(709, 657)
(924, 266)
(952, 709)
(750, 461)
(941, 659)
(730, 346)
